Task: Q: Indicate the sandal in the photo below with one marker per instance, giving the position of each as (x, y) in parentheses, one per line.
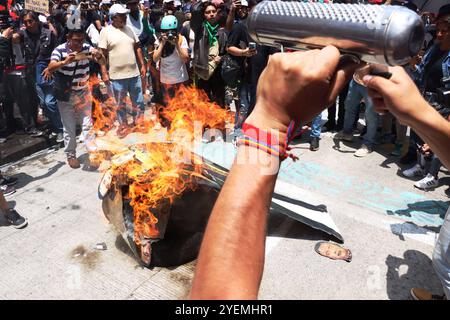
(333, 251)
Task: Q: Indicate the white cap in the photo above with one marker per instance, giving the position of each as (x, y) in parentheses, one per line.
(105, 2)
(244, 3)
(167, 1)
(177, 3)
(117, 9)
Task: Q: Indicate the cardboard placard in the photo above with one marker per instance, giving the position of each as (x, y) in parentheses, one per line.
(40, 6)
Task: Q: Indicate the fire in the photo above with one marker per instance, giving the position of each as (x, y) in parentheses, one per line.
(156, 162)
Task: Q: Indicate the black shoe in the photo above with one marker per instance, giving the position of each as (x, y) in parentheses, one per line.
(314, 144)
(410, 157)
(16, 219)
(7, 181)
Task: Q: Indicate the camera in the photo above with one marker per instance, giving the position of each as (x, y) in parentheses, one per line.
(171, 35)
(252, 45)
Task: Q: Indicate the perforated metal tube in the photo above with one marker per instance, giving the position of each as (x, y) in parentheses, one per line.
(377, 34)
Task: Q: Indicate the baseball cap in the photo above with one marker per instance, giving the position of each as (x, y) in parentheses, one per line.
(105, 2)
(167, 1)
(117, 9)
(244, 3)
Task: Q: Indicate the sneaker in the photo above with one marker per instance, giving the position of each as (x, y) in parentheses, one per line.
(7, 190)
(422, 294)
(363, 151)
(34, 133)
(2, 140)
(73, 162)
(343, 136)
(397, 150)
(415, 171)
(314, 144)
(429, 182)
(16, 219)
(59, 137)
(8, 181)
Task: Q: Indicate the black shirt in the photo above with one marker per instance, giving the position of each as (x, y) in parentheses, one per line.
(239, 38)
(433, 71)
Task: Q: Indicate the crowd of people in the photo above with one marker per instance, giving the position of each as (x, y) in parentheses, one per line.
(146, 50)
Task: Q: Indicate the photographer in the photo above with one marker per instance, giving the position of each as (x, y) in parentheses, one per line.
(173, 53)
(70, 66)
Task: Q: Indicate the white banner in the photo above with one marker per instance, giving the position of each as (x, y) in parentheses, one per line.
(40, 6)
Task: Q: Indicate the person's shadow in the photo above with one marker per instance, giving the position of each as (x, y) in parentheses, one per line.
(413, 270)
(24, 179)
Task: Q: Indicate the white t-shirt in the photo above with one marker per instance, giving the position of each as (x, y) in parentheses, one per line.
(172, 68)
(136, 25)
(120, 45)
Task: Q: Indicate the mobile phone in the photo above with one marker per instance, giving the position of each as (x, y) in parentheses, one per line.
(252, 45)
(83, 55)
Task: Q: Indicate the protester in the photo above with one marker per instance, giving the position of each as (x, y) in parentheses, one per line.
(67, 65)
(356, 92)
(39, 41)
(209, 48)
(172, 52)
(126, 66)
(240, 54)
(221, 272)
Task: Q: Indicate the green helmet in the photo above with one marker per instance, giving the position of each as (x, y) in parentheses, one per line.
(169, 23)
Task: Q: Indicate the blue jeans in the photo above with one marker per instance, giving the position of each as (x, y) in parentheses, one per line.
(44, 90)
(356, 92)
(121, 88)
(247, 100)
(441, 255)
(316, 127)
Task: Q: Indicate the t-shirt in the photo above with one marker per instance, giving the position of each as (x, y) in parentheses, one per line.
(120, 46)
(172, 68)
(136, 25)
(81, 76)
(238, 38)
(433, 71)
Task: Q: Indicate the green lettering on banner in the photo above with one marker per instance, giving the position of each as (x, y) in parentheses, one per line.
(40, 6)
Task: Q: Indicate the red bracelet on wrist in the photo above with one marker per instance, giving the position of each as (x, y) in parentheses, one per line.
(267, 141)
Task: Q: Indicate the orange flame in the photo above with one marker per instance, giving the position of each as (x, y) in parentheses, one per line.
(159, 172)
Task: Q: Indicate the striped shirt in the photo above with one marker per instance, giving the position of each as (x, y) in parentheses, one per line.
(81, 76)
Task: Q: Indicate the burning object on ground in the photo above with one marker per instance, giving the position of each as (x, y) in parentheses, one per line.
(158, 191)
